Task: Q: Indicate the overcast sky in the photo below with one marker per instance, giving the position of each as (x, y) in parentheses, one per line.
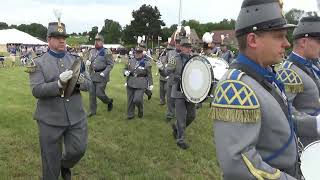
(81, 15)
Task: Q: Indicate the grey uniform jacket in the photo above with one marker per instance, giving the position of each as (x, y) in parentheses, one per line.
(140, 77)
(101, 61)
(175, 67)
(164, 60)
(167, 71)
(248, 133)
(305, 106)
(51, 108)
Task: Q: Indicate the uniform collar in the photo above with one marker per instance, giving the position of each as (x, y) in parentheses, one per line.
(57, 54)
(264, 72)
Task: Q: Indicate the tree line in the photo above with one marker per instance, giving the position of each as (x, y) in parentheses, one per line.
(146, 21)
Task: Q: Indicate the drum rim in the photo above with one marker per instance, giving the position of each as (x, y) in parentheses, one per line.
(211, 77)
(309, 145)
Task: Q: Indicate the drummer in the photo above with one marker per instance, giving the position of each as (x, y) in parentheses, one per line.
(185, 111)
(302, 79)
(60, 120)
(253, 130)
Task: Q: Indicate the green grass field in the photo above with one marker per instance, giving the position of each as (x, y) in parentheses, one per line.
(117, 149)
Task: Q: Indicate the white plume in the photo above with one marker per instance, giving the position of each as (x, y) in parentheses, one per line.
(57, 13)
(169, 40)
(318, 3)
(139, 39)
(222, 37)
(188, 30)
(207, 38)
(178, 29)
(143, 38)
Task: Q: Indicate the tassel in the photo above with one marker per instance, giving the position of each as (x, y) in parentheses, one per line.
(293, 88)
(236, 115)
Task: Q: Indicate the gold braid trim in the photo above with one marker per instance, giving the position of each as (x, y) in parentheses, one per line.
(293, 88)
(259, 174)
(236, 115)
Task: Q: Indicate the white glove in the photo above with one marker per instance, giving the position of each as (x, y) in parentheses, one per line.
(102, 74)
(159, 65)
(144, 52)
(88, 63)
(125, 85)
(81, 79)
(318, 124)
(150, 87)
(127, 73)
(64, 77)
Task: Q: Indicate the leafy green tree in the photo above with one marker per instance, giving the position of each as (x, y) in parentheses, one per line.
(34, 29)
(111, 31)
(146, 21)
(3, 25)
(92, 34)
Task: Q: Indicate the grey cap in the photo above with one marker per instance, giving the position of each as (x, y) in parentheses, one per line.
(185, 42)
(99, 37)
(307, 27)
(56, 29)
(261, 15)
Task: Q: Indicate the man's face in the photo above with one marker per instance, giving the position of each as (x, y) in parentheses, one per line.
(224, 48)
(270, 46)
(312, 48)
(185, 50)
(178, 46)
(57, 43)
(139, 54)
(98, 43)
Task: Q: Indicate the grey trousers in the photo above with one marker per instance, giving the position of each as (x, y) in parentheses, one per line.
(185, 114)
(97, 89)
(61, 146)
(135, 98)
(170, 103)
(163, 91)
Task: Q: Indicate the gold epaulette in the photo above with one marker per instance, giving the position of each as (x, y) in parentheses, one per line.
(291, 80)
(235, 101)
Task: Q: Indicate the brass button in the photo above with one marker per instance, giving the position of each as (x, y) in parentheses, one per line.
(67, 100)
(62, 65)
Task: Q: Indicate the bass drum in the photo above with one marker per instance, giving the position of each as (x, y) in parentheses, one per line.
(310, 158)
(197, 78)
(219, 67)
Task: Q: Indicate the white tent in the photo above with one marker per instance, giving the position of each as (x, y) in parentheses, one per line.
(113, 46)
(14, 36)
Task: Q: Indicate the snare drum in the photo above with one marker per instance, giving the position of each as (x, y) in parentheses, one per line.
(310, 159)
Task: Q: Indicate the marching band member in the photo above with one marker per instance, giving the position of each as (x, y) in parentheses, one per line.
(253, 129)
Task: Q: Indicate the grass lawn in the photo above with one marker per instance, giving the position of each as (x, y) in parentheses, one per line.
(118, 148)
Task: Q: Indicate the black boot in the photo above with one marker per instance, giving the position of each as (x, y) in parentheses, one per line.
(65, 173)
(110, 105)
(182, 145)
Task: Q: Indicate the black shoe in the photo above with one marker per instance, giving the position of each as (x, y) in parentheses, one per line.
(65, 173)
(162, 103)
(129, 118)
(91, 114)
(110, 105)
(140, 114)
(149, 95)
(182, 145)
(174, 131)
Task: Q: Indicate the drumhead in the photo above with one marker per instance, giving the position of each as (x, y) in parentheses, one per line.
(197, 78)
(219, 66)
(310, 159)
(73, 81)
